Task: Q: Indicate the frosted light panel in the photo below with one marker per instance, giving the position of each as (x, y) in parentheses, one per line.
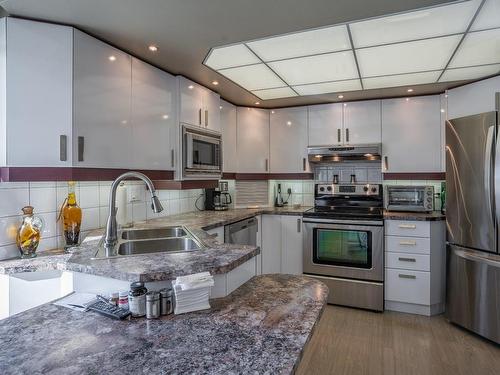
(401, 80)
(479, 47)
(411, 57)
(488, 17)
(282, 92)
(329, 87)
(253, 77)
(432, 22)
(312, 42)
(231, 56)
(473, 72)
(316, 69)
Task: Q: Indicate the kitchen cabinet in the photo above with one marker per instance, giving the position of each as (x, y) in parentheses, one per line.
(288, 140)
(252, 140)
(36, 75)
(271, 244)
(412, 135)
(362, 122)
(198, 105)
(325, 125)
(101, 104)
(228, 129)
(153, 115)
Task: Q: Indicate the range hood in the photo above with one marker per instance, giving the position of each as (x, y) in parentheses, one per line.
(337, 154)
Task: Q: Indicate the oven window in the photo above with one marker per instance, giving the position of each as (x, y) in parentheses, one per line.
(205, 153)
(340, 247)
(406, 197)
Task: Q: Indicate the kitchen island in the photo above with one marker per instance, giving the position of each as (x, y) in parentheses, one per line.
(262, 327)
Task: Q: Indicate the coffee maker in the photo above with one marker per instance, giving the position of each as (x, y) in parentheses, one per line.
(218, 199)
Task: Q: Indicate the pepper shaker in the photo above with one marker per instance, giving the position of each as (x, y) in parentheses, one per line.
(166, 301)
(152, 305)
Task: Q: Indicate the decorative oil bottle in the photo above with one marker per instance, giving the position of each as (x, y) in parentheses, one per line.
(29, 233)
(71, 217)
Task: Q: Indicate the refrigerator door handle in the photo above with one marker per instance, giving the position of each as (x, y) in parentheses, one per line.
(496, 181)
(488, 167)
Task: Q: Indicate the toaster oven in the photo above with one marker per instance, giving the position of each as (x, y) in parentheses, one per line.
(409, 198)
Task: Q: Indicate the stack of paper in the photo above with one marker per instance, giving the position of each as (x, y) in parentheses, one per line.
(192, 292)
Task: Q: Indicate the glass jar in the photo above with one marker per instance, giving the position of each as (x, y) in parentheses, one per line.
(71, 215)
(29, 233)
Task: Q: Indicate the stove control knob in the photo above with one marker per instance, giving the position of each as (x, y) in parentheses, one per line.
(374, 189)
(329, 188)
(321, 188)
(365, 188)
(429, 199)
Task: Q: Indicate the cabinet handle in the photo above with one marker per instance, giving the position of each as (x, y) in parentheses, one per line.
(267, 165)
(404, 276)
(303, 164)
(407, 226)
(386, 163)
(81, 148)
(172, 155)
(206, 118)
(339, 135)
(408, 243)
(63, 148)
(407, 259)
(347, 135)
(299, 226)
(199, 116)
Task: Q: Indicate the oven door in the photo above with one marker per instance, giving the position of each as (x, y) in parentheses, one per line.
(350, 249)
(202, 152)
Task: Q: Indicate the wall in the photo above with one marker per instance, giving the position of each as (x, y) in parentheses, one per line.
(302, 191)
(47, 198)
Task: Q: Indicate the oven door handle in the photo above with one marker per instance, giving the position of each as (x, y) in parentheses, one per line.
(346, 222)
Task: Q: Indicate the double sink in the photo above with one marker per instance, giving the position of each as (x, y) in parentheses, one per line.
(149, 241)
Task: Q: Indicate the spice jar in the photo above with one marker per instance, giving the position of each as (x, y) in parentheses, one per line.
(137, 299)
(123, 299)
(152, 305)
(166, 301)
(113, 298)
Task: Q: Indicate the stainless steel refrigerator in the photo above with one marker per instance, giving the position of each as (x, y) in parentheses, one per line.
(473, 219)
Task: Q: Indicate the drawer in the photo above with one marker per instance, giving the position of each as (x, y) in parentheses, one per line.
(407, 228)
(408, 286)
(405, 261)
(414, 245)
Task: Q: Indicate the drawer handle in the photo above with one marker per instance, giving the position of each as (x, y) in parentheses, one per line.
(407, 226)
(407, 259)
(404, 276)
(408, 243)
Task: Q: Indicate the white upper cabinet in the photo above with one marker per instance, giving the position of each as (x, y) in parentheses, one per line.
(36, 75)
(412, 135)
(153, 115)
(325, 125)
(288, 140)
(472, 99)
(362, 122)
(101, 97)
(228, 126)
(252, 140)
(198, 105)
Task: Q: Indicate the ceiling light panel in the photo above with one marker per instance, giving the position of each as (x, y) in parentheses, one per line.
(328, 87)
(410, 57)
(253, 77)
(231, 56)
(431, 22)
(488, 17)
(282, 92)
(401, 80)
(329, 39)
(479, 47)
(473, 72)
(315, 69)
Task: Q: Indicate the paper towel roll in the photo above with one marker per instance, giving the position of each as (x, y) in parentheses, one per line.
(121, 205)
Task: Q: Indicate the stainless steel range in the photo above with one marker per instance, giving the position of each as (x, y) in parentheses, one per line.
(344, 243)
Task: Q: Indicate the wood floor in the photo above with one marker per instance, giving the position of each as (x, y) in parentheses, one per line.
(350, 341)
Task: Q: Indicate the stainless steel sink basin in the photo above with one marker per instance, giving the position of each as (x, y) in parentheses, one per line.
(144, 234)
(168, 245)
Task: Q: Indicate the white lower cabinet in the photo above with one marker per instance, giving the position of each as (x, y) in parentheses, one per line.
(271, 244)
(415, 266)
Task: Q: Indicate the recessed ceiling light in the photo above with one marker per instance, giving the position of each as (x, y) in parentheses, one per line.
(257, 103)
(340, 96)
(165, 117)
(153, 48)
(220, 107)
(409, 90)
(190, 87)
(289, 123)
(112, 58)
(215, 83)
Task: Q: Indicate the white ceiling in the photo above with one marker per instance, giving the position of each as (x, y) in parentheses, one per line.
(457, 41)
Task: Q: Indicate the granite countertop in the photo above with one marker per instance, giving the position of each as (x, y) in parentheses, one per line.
(417, 216)
(261, 328)
(217, 258)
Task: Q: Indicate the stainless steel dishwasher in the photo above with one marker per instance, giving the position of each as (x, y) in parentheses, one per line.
(243, 232)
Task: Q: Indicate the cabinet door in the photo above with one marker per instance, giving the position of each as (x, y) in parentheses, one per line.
(211, 101)
(190, 102)
(325, 125)
(271, 244)
(39, 83)
(102, 87)
(288, 140)
(252, 140)
(152, 116)
(411, 134)
(362, 122)
(291, 244)
(228, 126)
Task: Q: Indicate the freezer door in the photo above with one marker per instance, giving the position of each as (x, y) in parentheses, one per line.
(470, 176)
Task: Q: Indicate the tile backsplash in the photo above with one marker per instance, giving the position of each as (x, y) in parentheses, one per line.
(302, 191)
(92, 197)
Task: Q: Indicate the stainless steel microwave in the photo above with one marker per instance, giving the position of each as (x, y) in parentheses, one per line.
(202, 153)
(409, 198)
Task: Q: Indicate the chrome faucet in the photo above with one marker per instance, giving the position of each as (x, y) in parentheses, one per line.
(111, 236)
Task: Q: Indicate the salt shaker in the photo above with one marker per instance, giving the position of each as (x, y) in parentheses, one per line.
(152, 305)
(166, 301)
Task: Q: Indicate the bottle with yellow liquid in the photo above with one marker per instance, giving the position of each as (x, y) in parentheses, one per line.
(71, 215)
(29, 233)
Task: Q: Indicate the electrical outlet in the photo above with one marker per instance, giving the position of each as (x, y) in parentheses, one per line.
(135, 193)
(289, 191)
